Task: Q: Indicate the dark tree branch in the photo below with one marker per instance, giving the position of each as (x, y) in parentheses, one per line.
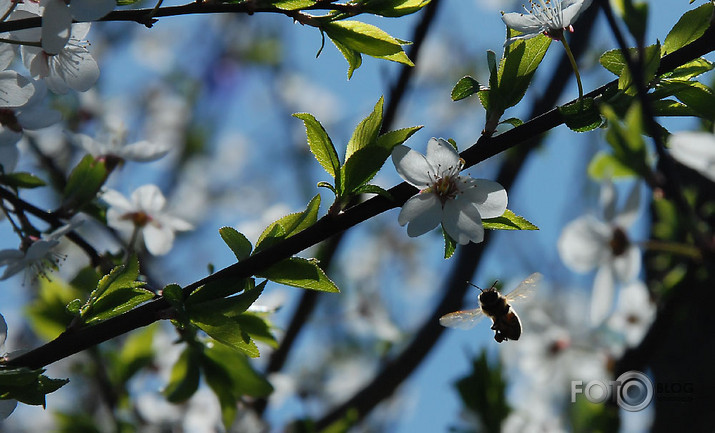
(76, 340)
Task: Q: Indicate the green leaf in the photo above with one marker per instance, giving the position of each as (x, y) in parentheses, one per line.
(483, 393)
(465, 87)
(393, 8)
(613, 61)
(23, 376)
(373, 189)
(231, 306)
(300, 272)
(606, 166)
(699, 97)
(367, 39)
(362, 166)
(184, 378)
(35, 393)
(513, 121)
(218, 290)
(292, 5)
(257, 328)
(238, 243)
(219, 380)
(367, 130)
(116, 293)
(21, 180)
(669, 107)
(634, 15)
(391, 139)
(626, 138)
(353, 57)
(48, 314)
(689, 27)
(225, 329)
(691, 69)
(517, 68)
(508, 221)
(243, 378)
(320, 144)
(582, 115)
(136, 353)
(450, 245)
(84, 183)
(289, 225)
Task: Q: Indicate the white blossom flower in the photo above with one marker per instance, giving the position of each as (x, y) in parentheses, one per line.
(634, 313)
(34, 114)
(6, 406)
(550, 17)
(695, 150)
(73, 67)
(15, 89)
(459, 203)
(39, 256)
(57, 17)
(113, 145)
(588, 243)
(144, 214)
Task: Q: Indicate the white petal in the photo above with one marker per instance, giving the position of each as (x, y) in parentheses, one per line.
(90, 145)
(489, 197)
(584, 244)
(524, 23)
(602, 296)
(629, 214)
(39, 250)
(77, 68)
(15, 90)
(423, 212)
(149, 198)
(158, 240)
(695, 150)
(56, 23)
(462, 222)
(412, 166)
(9, 154)
(571, 9)
(175, 223)
(90, 10)
(38, 117)
(607, 199)
(627, 266)
(7, 54)
(116, 200)
(144, 151)
(9, 256)
(441, 155)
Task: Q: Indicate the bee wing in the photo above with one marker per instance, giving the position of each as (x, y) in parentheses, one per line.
(526, 288)
(462, 319)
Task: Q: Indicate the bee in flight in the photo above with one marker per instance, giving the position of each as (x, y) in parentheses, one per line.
(506, 323)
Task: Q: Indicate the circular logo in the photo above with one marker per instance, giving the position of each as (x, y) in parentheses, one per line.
(635, 391)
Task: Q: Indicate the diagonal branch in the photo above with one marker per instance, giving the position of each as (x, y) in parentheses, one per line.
(71, 342)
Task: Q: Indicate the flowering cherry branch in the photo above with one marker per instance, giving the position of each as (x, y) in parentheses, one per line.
(76, 340)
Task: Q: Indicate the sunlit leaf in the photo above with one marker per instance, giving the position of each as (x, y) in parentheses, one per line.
(300, 272)
(508, 221)
(689, 27)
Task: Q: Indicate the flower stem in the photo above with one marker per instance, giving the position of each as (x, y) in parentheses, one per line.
(673, 247)
(573, 65)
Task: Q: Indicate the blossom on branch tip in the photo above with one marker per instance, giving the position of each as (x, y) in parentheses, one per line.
(548, 17)
(588, 243)
(458, 202)
(144, 215)
(113, 145)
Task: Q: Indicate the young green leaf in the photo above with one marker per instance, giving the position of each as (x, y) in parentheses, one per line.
(367, 130)
(226, 330)
(219, 289)
(300, 272)
(185, 375)
(689, 27)
(235, 240)
(606, 166)
(320, 144)
(367, 39)
(219, 380)
(699, 97)
(231, 306)
(465, 87)
(508, 221)
(691, 69)
(391, 139)
(21, 180)
(289, 225)
(373, 189)
(353, 57)
(48, 314)
(393, 8)
(518, 67)
(450, 245)
(84, 183)
(292, 5)
(136, 353)
(244, 380)
(582, 115)
(362, 166)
